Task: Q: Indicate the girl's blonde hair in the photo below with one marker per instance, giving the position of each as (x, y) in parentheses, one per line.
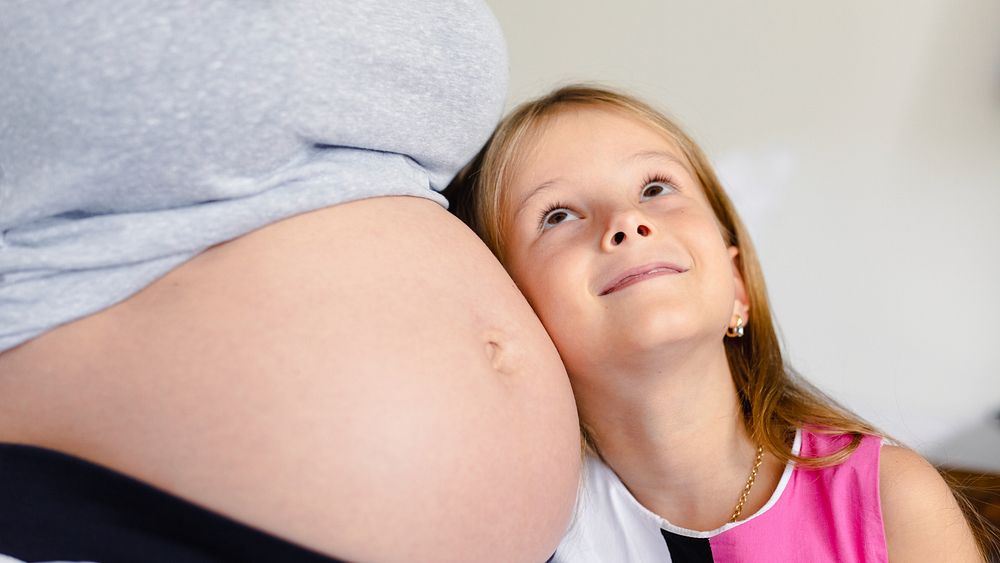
(774, 400)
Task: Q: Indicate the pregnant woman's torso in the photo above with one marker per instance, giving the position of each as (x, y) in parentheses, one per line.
(336, 372)
(359, 371)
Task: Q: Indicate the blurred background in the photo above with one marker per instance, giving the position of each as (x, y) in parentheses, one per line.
(861, 143)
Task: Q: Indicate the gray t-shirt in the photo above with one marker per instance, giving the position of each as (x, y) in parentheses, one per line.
(134, 135)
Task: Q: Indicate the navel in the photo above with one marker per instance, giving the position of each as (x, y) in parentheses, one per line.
(501, 352)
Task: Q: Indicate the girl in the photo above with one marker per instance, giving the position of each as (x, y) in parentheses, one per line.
(701, 445)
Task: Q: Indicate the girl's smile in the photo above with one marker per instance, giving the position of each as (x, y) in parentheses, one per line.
(635, 275)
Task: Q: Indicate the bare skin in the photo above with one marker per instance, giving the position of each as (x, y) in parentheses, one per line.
(355, 369)
(923, 522)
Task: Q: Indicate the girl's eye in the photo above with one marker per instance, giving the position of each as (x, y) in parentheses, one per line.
(555, 215)
(655, 188)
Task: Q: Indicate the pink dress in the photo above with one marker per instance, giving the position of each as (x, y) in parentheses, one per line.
(829, 514)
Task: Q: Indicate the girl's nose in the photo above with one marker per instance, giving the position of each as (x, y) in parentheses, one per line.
(632, 226)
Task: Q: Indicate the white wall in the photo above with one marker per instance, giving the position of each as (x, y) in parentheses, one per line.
(861, 142)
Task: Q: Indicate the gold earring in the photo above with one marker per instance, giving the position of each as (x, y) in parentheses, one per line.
(736, 331)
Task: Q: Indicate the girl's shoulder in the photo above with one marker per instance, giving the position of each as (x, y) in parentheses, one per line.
(922, 518)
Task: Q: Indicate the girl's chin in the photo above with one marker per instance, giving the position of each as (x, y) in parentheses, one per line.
(657, 326)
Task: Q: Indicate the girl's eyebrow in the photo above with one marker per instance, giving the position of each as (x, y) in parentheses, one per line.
(657, 155)
(538, 189)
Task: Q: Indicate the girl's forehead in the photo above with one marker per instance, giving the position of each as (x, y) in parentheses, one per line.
(584, 136)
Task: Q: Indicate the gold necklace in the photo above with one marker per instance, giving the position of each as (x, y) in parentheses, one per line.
(746, 490)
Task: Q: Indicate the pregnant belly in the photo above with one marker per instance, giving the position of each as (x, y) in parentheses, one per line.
(364, 380)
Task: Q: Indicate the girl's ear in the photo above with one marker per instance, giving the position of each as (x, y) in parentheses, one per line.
(741, 303)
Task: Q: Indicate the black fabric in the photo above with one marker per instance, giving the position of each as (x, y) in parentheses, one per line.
(688, 550)
(57, 507)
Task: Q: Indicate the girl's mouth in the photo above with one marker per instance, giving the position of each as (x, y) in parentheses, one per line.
(635, 275)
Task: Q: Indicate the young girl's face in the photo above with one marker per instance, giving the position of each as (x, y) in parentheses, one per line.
(612, 240)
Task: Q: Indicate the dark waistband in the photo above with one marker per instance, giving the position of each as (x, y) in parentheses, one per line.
(54, 506)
